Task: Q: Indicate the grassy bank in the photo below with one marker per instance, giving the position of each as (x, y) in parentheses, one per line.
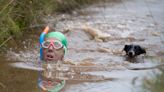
(156, 84)
(17, 16)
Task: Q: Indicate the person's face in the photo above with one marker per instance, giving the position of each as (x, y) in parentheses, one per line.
(52, 50)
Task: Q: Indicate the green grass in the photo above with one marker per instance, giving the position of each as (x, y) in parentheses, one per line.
(16, 16)
(156, 84)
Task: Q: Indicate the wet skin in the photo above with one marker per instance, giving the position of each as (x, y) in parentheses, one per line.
(52, 54)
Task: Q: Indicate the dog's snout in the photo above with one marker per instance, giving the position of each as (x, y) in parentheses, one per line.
(131, 53)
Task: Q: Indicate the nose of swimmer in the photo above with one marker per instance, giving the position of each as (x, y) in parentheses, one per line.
(50, 50)
(51, 47)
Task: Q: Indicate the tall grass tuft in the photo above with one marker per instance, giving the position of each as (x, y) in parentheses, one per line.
(16, 16)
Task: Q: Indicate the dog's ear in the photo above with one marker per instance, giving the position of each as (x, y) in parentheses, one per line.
(142, 50)
(126, 47)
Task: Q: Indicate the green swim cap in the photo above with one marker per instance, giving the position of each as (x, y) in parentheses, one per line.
(58, 35)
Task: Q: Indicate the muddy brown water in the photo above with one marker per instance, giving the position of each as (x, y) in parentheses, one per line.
(127, 21)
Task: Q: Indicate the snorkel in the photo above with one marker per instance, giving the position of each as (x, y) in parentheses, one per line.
(41, 39)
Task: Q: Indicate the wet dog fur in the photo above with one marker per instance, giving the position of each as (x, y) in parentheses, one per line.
(134, 50)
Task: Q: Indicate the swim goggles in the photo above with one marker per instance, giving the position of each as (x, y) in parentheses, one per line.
(56, 44)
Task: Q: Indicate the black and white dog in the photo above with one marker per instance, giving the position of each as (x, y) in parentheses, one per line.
(133, 50)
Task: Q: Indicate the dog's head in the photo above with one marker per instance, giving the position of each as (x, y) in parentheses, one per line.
(134, 50)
